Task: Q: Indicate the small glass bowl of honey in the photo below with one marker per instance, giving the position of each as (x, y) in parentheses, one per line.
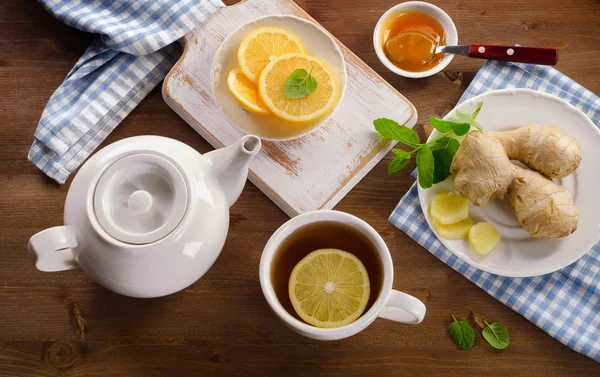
(406, 36)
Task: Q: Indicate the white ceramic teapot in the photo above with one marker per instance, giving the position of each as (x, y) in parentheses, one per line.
(147, 216)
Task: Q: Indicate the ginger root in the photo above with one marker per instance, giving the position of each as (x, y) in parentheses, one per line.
(546, 149)
(542, 207)
(483, 172)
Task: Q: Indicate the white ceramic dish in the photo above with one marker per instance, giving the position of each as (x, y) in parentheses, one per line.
(317, 42)
(518, 254)
(422, 7)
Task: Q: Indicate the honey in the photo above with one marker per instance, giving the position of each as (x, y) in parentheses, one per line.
(410, 39)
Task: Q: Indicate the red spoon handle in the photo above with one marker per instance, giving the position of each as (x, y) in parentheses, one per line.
(532, 55)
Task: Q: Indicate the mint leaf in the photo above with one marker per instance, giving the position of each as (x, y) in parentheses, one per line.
(496, 335)
(462, 334)
(477, 110)
(400, 152)
(443, 154)
(392, 130)
(462, 117)
(425, 165)
(398, 163)
(447, 126)
(439, 143)
(440, 124)
(470, 118)
(300, 84)
(461, 129)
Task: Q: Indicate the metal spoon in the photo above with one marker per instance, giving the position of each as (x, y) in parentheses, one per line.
(423, 49)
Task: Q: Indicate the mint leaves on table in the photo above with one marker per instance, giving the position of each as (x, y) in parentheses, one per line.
(496, 335)
(300, 84)
(462, 334)
(434, 157)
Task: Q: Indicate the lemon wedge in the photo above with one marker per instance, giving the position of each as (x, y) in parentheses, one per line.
(264, 45)
(309, 108)
(245, 92)
(329, 288)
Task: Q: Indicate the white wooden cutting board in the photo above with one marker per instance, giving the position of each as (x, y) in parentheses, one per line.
(310, 173)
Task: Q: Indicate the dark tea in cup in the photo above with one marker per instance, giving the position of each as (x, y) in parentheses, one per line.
(324, 235)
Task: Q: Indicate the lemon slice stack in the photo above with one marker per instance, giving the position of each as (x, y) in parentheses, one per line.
(267, 57)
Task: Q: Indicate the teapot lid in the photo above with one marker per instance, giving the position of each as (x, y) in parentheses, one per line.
(140, 198)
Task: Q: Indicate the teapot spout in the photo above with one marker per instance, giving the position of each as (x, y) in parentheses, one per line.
(230, 165)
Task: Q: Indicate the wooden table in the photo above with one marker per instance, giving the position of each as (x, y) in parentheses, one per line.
(54, 324)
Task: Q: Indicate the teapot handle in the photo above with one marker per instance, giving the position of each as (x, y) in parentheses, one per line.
(50, 249)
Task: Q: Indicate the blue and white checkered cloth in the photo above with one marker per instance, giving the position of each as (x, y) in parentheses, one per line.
(565, 304)
(135, 47)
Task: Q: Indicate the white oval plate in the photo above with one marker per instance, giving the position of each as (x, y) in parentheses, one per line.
(519, 254)
(317, 42)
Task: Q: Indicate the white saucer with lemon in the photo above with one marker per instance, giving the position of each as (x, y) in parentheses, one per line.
(279, 77)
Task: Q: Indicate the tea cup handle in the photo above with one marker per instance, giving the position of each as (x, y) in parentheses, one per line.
(404, 308)
(51, 249)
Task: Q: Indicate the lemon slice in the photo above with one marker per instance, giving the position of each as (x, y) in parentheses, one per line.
(329, 288)
(245, 92)
(309, 108)
(264, 45)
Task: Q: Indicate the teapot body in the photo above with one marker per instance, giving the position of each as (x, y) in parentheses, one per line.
(140, 269)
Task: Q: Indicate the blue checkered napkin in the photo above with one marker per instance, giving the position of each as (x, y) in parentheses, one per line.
(565, 304)
(135, 47)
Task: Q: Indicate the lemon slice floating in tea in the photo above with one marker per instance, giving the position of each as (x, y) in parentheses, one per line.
(309, 108)
(245, 92)
(329, 288)
(264, 45)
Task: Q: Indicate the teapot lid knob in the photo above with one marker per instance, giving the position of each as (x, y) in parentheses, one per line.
(140, 201)
(141, 198)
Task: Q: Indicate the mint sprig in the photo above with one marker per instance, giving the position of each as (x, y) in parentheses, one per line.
(433, 157)
(300, 84)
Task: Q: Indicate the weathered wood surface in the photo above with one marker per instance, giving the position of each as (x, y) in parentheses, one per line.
(309, 173)
(63, 324)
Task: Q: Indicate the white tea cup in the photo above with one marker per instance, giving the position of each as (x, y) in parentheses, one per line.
(389, 304)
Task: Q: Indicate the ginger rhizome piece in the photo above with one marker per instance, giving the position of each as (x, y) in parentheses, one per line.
(481, 169)
(483, 172)
(449, 208)
(542, 207)
(483, 237)
(454, 231)
(546, 149)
